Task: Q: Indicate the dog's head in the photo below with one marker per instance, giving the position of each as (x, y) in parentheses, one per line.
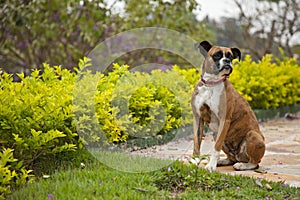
(218, 60)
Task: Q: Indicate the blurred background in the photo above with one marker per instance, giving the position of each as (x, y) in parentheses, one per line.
(60, 32)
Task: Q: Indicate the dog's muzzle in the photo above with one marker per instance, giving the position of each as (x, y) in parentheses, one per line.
(226, 67)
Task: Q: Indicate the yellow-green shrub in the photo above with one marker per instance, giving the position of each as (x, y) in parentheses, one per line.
(12, 172)
(140, 104)
(192, 75)
(35, 119)
(122, 104)
(36, 113)
(266, 84)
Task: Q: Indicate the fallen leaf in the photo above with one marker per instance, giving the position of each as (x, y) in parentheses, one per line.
(268, 187)
(141, 189)
(257, 182)
(261, 171)
(45, 176)
(204, 162)
(172, 149)
(195, 161)
(82, 165)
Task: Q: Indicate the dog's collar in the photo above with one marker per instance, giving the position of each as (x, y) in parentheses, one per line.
(212, 83)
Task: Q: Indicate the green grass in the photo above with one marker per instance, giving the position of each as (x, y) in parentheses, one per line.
(93, 182)
(69, 180)
(129, 163)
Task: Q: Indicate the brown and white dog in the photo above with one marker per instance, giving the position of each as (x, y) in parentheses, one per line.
(216, 103)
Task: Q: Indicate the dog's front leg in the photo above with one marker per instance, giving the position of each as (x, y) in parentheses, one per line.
(217, 147)
(224, 117)
(198, 127)
(215, 152)
(212, 165)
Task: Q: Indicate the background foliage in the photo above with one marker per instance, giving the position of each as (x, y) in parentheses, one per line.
(56, 32)
(61, 32)
(261, 27)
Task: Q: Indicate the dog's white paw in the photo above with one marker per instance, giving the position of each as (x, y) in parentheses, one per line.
(224, 162)
(244, 166)
(211, 167)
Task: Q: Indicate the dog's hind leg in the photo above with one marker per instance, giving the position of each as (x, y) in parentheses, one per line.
(255, 146)
(230, 160)
(225, 162)
(254, 151)
(240, 166)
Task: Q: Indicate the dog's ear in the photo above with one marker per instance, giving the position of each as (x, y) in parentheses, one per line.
(236, 53)
(203, 46)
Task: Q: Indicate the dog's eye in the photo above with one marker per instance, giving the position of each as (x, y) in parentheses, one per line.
(217, 56)
(229, 55)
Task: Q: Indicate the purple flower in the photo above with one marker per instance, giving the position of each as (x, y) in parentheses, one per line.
(50, 196)
(163, 68)
(169, 169)
(238, 187)
(63, 40)
(22, 63)
(160, 59)
(27, 43)
(284, 185)
(56, 17)
(20, 44)
(107, 30)
(96, 28)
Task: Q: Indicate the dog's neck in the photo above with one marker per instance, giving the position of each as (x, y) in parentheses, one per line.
(209, 80)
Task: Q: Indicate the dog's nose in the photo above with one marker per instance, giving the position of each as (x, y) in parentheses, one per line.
(226, 61)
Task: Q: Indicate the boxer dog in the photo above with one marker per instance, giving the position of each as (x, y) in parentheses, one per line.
(216, 103)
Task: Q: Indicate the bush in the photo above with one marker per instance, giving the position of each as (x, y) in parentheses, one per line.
(36, 119)
(36, 114)
(268, 84)
(131, 104)
(44, 113)
(11, 172)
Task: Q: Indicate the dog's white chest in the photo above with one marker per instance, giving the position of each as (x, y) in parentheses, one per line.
(210, 96)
